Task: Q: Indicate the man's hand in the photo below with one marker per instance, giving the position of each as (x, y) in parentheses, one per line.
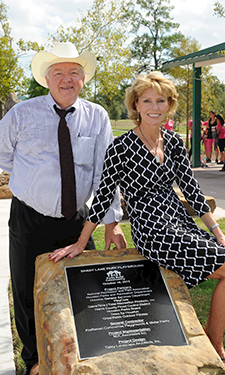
(114, 234)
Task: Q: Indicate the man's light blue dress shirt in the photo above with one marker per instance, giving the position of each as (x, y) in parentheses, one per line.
(29, 151)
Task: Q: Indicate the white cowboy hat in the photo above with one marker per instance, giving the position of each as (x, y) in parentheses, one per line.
(62, 52)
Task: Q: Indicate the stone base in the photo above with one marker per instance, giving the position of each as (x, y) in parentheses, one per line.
(5, 192)
(56, 338)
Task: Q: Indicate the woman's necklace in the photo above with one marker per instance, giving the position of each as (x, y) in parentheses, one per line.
(152, 148)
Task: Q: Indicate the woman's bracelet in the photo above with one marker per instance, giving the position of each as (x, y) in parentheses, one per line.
(213, 226)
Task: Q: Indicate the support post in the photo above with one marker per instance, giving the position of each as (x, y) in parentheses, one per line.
(196, 138)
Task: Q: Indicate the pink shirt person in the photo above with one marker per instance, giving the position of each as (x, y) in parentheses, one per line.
(169, 125)
(221, 129)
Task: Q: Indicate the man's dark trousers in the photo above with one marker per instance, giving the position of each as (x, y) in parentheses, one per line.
(32, 234)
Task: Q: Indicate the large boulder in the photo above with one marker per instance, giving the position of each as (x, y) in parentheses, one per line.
(5, 192)
(56, 338)
(11, 101)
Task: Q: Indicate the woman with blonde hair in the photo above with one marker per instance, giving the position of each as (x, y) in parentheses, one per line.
(145, 162)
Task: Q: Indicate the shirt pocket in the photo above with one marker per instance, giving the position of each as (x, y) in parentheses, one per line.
(83, 150)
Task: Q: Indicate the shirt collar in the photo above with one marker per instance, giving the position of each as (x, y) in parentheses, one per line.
(51, 102)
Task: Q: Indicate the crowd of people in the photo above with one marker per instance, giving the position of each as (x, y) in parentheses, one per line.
(213, 138)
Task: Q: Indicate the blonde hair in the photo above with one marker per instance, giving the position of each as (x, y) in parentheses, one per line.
(156, 81)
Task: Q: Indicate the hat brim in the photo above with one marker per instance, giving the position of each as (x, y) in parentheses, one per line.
(43, 60)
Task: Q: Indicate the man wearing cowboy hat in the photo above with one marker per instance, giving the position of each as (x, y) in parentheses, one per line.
(29, 150)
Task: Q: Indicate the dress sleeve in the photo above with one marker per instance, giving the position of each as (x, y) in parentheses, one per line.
(105, 138)
(187, 182)
(108, 184)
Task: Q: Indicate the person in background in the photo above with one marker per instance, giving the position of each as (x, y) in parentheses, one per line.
(220, 128)
(211, 135)
(32, 150)
(145, 162)
(169, 125)
(204, 136)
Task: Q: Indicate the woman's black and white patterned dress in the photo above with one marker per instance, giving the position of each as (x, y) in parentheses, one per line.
(162, 230)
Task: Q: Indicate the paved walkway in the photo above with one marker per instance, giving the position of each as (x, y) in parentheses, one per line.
(6, 350)
(212, 183)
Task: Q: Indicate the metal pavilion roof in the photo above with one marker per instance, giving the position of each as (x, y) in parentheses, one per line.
(208, 56)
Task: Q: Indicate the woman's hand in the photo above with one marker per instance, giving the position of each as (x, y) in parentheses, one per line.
(76, 248)
(209, 221)
(69, 251)
(220, 238)
(114, 234)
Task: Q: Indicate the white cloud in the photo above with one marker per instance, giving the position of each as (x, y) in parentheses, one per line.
(34, 19)
(196, 20)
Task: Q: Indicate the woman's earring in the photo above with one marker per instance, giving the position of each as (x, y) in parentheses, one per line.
(138, 116)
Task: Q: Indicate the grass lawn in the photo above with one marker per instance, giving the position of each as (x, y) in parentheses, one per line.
(201, 294)
(121, 126)
(128, 124)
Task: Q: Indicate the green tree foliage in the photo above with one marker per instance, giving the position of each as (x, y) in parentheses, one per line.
(115, 111)
(105, 29)
(152, 23)
(29, 46)
(116, 106)
(11, 74)
(35, 89)
(183, 76)
(102, 31)
(217, 99)
(211, 89)
(219, 9)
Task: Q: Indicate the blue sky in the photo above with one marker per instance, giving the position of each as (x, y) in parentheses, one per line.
(34, 19)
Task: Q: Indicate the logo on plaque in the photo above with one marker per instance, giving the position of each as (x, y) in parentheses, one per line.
(113, 276)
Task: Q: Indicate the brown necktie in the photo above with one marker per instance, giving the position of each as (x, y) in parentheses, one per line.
(68, 190)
